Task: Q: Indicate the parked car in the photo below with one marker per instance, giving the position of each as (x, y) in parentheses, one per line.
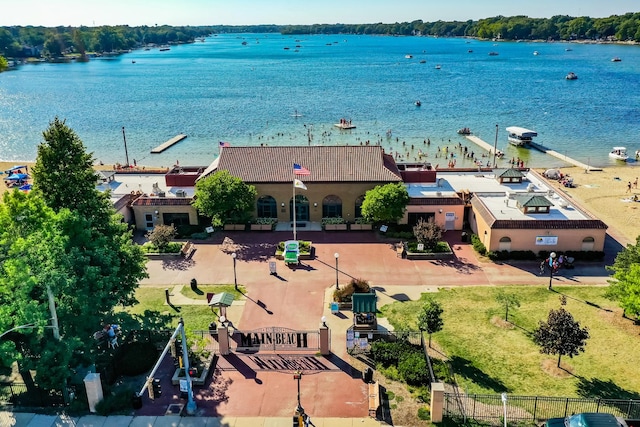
(587, 419)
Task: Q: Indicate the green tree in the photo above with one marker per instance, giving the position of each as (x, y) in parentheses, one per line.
(507, 300)
(161, 235)
(4, 64)
(385, 203)
(625, 285)
(561, 334)
(430, 318)
(66, 237)
(428, 233)
(224, 198)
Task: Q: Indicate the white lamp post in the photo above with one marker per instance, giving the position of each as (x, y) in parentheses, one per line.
(337, 255)
(504, 404)
(235, 278)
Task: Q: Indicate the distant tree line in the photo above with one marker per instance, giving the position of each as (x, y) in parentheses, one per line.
(21, 42)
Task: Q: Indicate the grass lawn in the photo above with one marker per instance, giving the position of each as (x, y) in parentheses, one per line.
(157, 315)
(489, 355)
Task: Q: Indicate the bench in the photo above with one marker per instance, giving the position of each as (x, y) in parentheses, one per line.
(187, 250)
(374, 399)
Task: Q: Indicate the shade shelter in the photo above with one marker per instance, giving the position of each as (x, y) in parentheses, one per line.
(365, 310)
(221, 301)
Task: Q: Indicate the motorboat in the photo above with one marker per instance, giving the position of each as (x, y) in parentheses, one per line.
(493, 54)
(619, 153)
(616, 59)
(571, 76)
(464, 131)
(418, 103)
(423, 61)
(408, 56)
(536, 53)
(438, 67)
(519, 136)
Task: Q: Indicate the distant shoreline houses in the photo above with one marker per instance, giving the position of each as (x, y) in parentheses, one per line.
(509, 209)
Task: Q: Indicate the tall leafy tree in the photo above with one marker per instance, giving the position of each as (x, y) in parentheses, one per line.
(625, 285)
(561, 334)
(430, 318)
(224, 198)
(385, 203)
(80, 250)
(428, 233)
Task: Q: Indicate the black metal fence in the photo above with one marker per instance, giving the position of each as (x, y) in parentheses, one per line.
(19, 394)
(491, 408)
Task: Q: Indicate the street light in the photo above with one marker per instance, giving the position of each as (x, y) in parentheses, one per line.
(298, 376)
(504, 404)
(337, 255)
(235, 278)
(552, 256)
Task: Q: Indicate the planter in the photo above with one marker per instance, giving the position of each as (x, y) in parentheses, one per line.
(361, 227)
(335, 227)
(261, 227)
(234, 227)
(429, 255)
(168, 255)
(199, 380)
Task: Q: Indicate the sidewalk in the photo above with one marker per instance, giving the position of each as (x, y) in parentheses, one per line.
(8, 419)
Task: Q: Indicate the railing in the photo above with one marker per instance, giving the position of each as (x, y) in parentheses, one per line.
(20, 394)
(489, 408)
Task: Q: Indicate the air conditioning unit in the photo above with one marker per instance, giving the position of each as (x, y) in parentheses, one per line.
(181, 193)
(161, 194)
(438, 193)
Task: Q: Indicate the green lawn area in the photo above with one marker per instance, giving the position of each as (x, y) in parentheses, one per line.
(491, 356)
(156, 314)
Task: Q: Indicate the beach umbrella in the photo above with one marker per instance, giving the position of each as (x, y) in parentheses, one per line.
(17, 177)
(15, 168)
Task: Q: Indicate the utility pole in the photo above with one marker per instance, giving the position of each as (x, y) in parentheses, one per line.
(54, 314)
(495, 148)
(126, 153)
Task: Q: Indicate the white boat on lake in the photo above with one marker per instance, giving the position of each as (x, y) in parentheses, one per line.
(619, 153)
(520, 136)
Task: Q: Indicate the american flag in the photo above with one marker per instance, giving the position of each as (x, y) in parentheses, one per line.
(299, 170)
(224, 144)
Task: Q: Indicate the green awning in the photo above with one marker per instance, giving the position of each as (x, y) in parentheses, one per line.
(364, 303)
(223, 299)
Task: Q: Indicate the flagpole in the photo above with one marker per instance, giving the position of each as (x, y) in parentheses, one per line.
(294, 208)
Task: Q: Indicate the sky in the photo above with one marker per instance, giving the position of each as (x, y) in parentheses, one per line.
(52, 13)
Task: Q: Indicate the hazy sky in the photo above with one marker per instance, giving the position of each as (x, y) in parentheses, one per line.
(52, 13)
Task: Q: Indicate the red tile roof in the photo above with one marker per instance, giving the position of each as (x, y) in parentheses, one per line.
(327, 164)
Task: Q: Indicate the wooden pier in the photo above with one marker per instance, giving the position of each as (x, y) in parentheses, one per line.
(160, 148)
(538, 147)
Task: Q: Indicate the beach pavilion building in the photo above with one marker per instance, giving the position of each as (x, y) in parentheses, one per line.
(509, 209)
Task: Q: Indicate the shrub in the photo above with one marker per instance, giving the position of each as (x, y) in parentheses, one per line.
(171, 248)
(161, 235)
(413, 368)
(477, 244)
(186, 231)
(358, 286)
(135, 358)
(200, 236)
(266, 221)
(428, 233)
(115, 403)
(332, 220)
(424, 413)
(361, 220)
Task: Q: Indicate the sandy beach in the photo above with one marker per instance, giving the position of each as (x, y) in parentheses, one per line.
(604, 194)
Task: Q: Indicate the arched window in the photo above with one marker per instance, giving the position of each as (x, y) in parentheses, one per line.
(505, 243)
(267, 207)
(588, 243)
(331, 207)
(358, 206)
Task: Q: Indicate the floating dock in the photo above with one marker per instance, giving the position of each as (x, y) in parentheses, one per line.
(538, 147)
(345, 126)
(160, 148)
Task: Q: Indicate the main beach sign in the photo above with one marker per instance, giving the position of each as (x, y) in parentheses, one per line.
(276, 338)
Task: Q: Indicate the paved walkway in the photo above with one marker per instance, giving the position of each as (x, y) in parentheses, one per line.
(245, 394)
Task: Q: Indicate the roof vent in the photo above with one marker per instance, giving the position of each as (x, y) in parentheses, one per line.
(563, 203)
(439, 193)
(530, 188)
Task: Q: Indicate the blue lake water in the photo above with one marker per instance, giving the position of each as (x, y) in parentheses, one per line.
(222, 90)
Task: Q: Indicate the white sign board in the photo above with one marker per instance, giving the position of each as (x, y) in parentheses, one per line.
(547, 240)
(420, 246)
(209, 229)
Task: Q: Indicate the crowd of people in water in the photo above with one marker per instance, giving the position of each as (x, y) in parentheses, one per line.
(456, 154)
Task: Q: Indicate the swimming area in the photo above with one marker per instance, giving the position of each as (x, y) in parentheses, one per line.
(254, 89)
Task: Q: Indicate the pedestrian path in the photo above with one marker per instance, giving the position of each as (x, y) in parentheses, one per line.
(18, 419)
